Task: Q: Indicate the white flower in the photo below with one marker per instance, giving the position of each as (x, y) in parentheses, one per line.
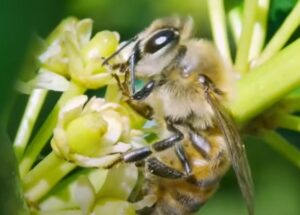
(92, 133)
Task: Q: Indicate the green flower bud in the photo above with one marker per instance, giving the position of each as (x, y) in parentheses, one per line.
(86, 66)
(103, 44)
(84, 134)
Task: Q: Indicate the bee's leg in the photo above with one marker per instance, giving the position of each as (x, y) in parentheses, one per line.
(141, 108)
(170, 141)
(144, 152)
(145, 91)
(200, 144)
(158, 168)
(183, 159)
(137, 155)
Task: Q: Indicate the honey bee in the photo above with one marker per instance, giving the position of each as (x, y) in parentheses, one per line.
(186, 86)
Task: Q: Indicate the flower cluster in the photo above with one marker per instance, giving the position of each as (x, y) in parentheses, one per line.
(71, 53)
(87, 135)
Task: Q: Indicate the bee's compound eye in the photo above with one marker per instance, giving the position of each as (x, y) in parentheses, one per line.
(160, 40)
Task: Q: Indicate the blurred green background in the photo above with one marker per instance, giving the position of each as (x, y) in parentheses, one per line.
(277, 181)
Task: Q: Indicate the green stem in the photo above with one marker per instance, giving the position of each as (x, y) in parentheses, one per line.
(267, 84)
(281, 145)
(218, 24)
(291, 105)
(45, 132)
(44, 176)
(242, 56)
(260, 27)
(282, 35)
(235, 23)
(33, 107)
(288, 121)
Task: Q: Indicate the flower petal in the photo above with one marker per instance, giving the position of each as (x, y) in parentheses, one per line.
(71, 109)
(85, 194)
(49, 80)
(101, 162)
(84, 31)
(114, 128)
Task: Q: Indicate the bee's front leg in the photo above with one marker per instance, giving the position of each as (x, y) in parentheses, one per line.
(145, 91)
(139, 106)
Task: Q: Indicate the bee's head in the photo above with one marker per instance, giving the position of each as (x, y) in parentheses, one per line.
(159, 44)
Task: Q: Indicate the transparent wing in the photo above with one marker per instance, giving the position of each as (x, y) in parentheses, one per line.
(237, 151)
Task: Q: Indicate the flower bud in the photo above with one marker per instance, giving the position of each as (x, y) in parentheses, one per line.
(55, 58)
(70, 52)
(91, 133)
(84, 134)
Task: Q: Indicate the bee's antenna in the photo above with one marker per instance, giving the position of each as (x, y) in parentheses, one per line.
(134, 58)
(119, 50)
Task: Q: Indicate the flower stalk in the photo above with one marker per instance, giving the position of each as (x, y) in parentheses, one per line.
(43, 177)
(219, 30)
(282, 146)
(45, 132)
(260, 28)
(287, 121)
(35, 102)
(235, 23)
(244, 44)
(282, 35)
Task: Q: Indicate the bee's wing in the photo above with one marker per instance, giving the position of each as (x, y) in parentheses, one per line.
(236, 150)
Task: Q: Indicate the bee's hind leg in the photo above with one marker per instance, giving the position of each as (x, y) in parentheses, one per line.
(158, 168)
(183, 159)
(155, 166)
(144, 152)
